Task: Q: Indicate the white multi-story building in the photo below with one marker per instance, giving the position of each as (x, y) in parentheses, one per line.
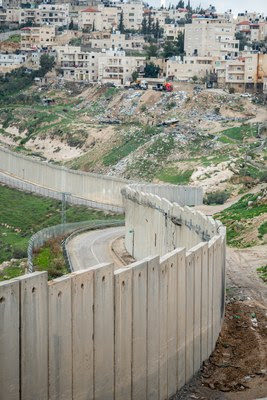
(115, 67)
(107, 40)
(185, 69)
(33, 38)
(171, 32)
(90, 19)
(53, 14)
(12, 61)
(77, 65)
(110, 66)
(132, 14)
(242, 74)
(210, 37)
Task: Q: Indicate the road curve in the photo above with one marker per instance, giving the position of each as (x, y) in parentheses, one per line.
(94, 247)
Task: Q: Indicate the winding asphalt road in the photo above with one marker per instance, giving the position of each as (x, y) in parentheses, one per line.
(94, 247)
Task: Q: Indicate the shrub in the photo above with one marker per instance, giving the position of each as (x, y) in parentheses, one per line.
(216, 197)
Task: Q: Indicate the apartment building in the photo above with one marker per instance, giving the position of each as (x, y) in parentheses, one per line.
(132, 14)
(249, 16)
(243, 74)
(177, 13)
(90, 19)
(46, 14)
(110, 66)
(155, 15)
(208, 37)
(8, 62)
(53, 14)
(184, 70)
(107, 40)
(171, 32)
(33, 38)
(77, 65)
(115, 67)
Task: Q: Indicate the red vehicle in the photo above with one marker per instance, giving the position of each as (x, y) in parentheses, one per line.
(163, 87)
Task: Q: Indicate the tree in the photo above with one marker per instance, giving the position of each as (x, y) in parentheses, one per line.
(180, 43)
(134, 76)
(151, 70)
(151, 50)
(121, 24)
(157, 30)
(71, 25)
(149, 24)
(46, 64)
(242, 40)
(194, 78)
(180, 4)
(144, 26)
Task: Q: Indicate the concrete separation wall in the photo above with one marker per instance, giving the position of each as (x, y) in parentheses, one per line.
(92, 190)
(154, 225)
(140, 332)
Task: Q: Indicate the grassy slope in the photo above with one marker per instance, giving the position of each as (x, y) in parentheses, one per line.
(22, 214)
(239, 219)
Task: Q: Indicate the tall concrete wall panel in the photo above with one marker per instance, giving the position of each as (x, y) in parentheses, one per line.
(189, 319)
(153, 327)
(60, 339)
(123, 333)
(82, 293)
(181, 318)
(33, 336)
(104, 332)
(204, 303)
(9, 340)
(139, 332)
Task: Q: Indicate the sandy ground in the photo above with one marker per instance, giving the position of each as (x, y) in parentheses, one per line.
(237, 369)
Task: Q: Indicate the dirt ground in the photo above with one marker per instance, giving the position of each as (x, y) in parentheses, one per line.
(237, 369)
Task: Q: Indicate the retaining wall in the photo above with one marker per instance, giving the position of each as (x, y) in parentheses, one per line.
(101, 191)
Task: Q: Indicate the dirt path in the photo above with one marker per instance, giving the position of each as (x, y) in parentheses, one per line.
(237, 369)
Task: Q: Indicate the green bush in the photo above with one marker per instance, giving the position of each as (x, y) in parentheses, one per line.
(219, 197)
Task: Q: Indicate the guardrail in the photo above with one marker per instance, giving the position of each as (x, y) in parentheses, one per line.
(40, 237)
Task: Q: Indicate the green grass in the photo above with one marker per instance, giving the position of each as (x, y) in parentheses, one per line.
(50, 258)
(13, 39)
(131, 142)
(226, 140)
(262, 230)
(11, 272)
(254, 172)
(23, 214)
(241, 132)
(237, 217)
(262, 271)
(174, 176)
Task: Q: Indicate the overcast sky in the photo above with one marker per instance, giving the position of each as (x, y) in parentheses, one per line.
(222, 5)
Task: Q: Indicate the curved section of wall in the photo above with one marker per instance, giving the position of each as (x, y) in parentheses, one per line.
(139, 332)
(154, 225)
(100, 189)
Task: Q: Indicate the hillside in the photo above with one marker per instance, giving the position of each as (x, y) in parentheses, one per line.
(208, 138)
